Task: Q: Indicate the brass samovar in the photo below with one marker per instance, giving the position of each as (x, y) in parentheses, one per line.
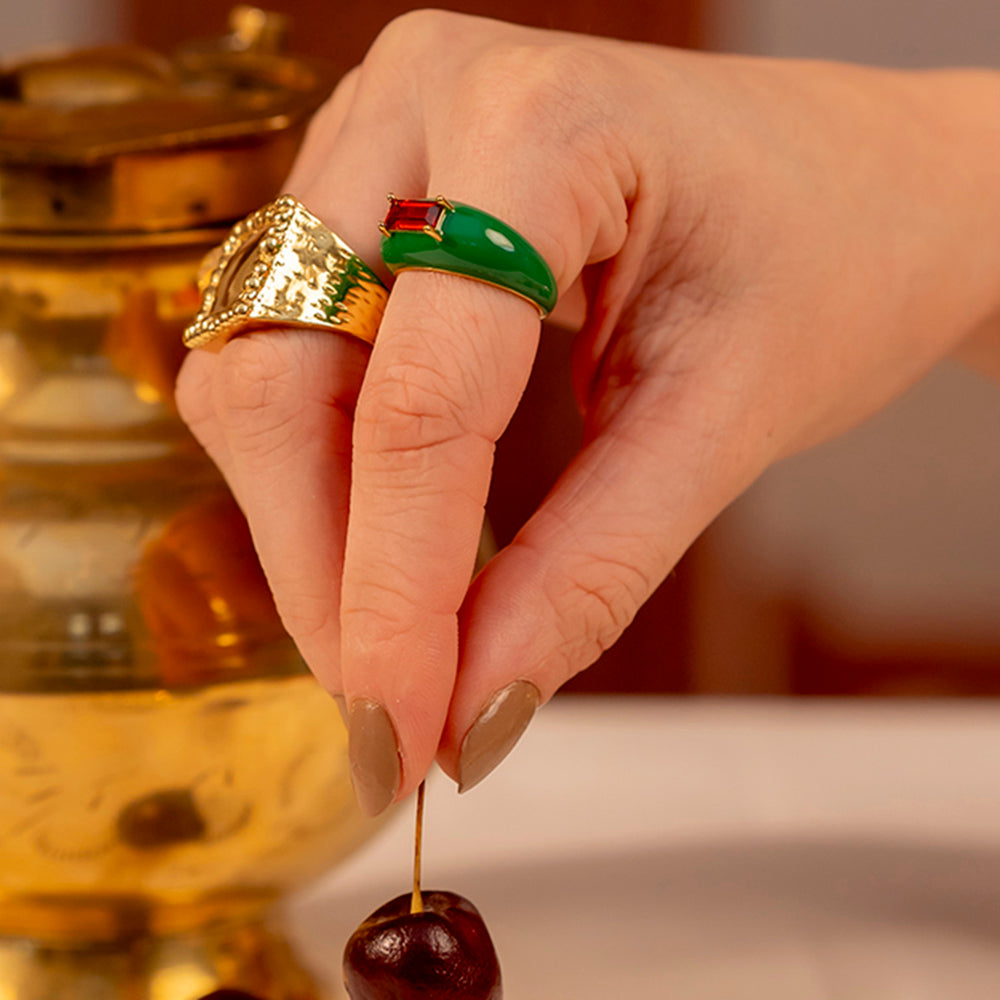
(168, 768)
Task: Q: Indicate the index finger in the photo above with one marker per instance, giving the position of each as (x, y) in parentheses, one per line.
(448, 368)
(450, 364)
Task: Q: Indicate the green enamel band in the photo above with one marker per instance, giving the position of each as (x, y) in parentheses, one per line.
(476, 245)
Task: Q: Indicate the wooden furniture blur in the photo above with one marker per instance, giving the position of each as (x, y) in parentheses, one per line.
(342, 31)
(867, 566)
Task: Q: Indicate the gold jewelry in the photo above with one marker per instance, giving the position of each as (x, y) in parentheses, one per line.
(281, 267)
(442, 235)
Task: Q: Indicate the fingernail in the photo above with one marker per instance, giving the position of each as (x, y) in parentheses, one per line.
(493, 735)
(374, 752)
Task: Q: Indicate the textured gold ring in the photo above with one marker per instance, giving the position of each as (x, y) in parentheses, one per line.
(281, 267)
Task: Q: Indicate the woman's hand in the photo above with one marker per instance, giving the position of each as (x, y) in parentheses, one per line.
(769, 252)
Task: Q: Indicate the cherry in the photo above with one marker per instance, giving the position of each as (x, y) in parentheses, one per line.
(440, 952)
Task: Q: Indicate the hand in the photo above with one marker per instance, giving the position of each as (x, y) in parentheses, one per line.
(770, 251)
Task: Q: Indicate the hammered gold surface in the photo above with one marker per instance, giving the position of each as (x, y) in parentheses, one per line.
(281, 267)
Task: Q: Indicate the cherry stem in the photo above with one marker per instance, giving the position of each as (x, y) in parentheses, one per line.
(416, 900)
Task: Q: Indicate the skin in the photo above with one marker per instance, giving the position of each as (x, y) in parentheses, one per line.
(759, 253)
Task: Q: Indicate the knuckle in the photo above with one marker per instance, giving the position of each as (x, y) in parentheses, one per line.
(411, 408)
(536, 90)
(305, 614)
(535, 99)
(383, 610)
(414, 33)
(193, 391)
(259, 398)
(254, 373)
(594, 605)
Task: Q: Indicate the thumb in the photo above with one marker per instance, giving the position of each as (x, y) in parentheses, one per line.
(664, 456)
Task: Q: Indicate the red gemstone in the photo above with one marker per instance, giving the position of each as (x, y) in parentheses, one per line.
(407, 215)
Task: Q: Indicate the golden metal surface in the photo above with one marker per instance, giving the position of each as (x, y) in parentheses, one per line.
(143, 811)
(168, 767)
(249, 955)
(281, 267)
(256, 29)
(120, 139)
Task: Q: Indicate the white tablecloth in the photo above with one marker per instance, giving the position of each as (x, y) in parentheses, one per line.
(715, 850)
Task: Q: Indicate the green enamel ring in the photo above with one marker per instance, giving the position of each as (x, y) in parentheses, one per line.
(441, 235)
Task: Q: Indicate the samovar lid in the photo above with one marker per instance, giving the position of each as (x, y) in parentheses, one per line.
(120, 139)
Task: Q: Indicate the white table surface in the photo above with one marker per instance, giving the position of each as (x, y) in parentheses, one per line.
(672, 849)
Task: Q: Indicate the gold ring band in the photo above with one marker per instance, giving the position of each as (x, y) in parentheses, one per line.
(282, 267)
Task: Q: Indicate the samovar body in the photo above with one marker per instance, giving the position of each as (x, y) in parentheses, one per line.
(168, 768)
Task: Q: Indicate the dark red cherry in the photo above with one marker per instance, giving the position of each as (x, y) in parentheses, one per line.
(444, 952)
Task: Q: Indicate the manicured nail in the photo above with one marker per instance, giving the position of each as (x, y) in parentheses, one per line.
(493, 735)
(376, 769)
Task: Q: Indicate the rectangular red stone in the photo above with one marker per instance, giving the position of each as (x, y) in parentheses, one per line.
(410, 215)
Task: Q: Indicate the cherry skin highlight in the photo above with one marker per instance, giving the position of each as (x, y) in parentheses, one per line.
(442, 952)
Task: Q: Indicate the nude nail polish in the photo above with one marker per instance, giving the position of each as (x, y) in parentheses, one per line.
(497, 728)
(376, 769)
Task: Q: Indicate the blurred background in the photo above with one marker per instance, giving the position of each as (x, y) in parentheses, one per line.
(868, 566)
